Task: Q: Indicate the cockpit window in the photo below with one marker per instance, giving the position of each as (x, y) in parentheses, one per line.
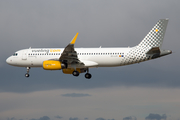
(15, 54)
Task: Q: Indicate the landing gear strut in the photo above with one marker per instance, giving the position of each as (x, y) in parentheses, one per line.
(27, 74)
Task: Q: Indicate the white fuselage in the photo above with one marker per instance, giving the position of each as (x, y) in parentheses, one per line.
(103, 57)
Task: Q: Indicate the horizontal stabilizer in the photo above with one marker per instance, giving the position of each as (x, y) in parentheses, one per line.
(153, 50)
(156, 52)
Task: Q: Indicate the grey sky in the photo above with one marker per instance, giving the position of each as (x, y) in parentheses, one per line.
(75, 95)
(103, 23)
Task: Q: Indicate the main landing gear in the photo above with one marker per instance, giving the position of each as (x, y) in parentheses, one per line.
(87, 75)
(27, 74)
(75, 73)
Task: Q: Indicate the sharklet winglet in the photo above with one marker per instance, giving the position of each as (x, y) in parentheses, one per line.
(74, 39)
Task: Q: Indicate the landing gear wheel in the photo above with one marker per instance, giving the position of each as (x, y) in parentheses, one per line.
(88, 75)
(26, 75)
(75, 73)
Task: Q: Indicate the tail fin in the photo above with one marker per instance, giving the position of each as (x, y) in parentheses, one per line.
(155, 37)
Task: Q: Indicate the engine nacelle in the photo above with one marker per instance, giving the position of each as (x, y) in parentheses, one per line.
(53, 65)
(70, 70)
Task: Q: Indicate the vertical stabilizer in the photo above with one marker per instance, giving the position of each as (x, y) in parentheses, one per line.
(149, 47)
(155, 37)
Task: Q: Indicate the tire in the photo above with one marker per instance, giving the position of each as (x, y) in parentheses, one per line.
(88, 75)
(27, 75)
(75, 73)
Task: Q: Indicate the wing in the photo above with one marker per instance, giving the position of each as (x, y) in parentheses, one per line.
(69, 55)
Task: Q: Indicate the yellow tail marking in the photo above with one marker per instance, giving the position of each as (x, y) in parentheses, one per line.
(156, 30)
(74, 39)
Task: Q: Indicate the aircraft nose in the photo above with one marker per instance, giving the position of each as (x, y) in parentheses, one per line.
(170, 51)
(8, 60)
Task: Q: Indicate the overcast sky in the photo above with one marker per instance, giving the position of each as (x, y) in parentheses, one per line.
(146, 90)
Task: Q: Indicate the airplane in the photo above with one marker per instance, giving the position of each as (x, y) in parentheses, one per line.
(78, 60)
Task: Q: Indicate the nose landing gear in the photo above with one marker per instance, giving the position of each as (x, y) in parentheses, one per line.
(27, 74)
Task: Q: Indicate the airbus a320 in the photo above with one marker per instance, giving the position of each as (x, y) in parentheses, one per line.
(78, 60)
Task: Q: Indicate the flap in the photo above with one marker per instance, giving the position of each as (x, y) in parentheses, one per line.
(89, 63)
